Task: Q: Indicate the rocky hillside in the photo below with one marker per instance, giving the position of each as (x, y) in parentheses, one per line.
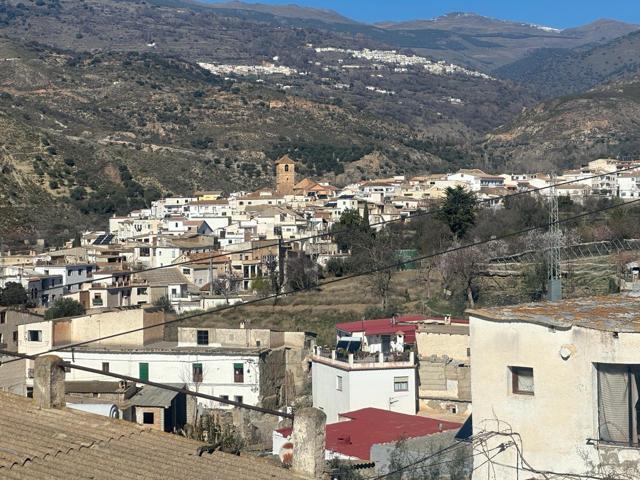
(569, 131)
(556, 72)
(90, 135)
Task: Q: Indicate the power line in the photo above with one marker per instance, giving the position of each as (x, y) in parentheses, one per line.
(163, 386)
(334, 232)
(336, 280)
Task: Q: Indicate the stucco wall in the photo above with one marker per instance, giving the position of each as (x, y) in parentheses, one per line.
(554, 424)
(176, 368)
(361, 389)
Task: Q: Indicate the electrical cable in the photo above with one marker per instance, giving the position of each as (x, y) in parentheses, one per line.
(334, 232)
(336, 280)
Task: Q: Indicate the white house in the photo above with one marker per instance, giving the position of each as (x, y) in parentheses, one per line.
(561, 381)
(343, 384)
(232, 374)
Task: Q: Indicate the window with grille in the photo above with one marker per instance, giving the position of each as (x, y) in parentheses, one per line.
(203, 337)
(401, 384)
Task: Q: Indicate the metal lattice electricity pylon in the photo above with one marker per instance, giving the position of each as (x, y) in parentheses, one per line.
(554, 276)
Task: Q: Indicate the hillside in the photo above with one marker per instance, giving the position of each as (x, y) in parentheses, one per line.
(555, 72)
(571, 130)
(90, 135)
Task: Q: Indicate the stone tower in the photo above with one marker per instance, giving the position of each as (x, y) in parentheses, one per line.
(285, 175)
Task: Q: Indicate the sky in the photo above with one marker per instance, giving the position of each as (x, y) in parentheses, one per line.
(552, 13)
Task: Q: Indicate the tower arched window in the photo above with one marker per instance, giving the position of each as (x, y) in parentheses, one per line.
(286, 168)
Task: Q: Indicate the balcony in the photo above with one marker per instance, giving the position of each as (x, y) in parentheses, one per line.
(363, 360)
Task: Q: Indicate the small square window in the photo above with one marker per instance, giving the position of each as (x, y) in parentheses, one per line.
(522, 380)
(400, 384)
(338, 383)
(35, 335)
(203, 337)
(238, 398)
(147, 418)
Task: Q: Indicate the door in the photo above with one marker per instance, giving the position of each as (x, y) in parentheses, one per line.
(386, 343)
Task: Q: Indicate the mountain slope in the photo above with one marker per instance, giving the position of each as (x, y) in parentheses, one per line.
(93, 134)
(287, 11)
(555, 72)
(572, 130)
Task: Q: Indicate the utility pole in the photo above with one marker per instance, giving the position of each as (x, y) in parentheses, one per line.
(554, 276)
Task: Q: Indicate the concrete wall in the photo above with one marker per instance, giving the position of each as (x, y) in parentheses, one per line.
(12, 377)
(443, 378)
(226, 337)
(9, 322)
(555, 424)
(86, 327)
(361, 389)
(431, 343)
(176, 368)
(419, 447)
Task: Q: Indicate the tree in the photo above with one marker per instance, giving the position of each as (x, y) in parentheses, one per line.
(375, 254)
(351, 229)
(164, 303)
(225, 285)
(302, 272)
(13, 294)
(64, 307)
(458, 211)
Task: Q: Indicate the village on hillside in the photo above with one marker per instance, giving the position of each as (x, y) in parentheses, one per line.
(131, 311)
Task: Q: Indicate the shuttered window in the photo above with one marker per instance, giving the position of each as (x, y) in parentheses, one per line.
(618, 403)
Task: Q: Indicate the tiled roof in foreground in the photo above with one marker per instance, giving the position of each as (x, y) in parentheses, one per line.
(55, 444)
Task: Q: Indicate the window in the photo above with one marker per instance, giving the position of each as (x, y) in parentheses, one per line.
(522, 380)
(34, 335)
(203, 337)
(400, 384)
(186, 271)
(224, 397)
(618, 409)
(144, 371)
(197, 372)
(238, 373)
(238, 398)
(15, 336)
(105, 367)
(147, 418)
(3, 317)
(97, 299)
(338, 383)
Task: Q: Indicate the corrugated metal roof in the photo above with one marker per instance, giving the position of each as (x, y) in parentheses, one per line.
(151, 396)
(56, 444)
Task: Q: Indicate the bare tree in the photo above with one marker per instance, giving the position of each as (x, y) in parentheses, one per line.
(302, 272)
(226, 285)
(377, 254)
(461, 268)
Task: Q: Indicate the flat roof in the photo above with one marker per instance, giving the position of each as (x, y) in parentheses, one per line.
(168, 348)
(614, 313)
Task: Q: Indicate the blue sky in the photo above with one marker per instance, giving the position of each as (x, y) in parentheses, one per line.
(553, 13)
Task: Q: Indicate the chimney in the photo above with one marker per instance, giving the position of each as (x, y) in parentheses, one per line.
(48, 382)
(308, 441)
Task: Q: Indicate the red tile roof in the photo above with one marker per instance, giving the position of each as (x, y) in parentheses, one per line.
(370, 426)
(384, 326)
